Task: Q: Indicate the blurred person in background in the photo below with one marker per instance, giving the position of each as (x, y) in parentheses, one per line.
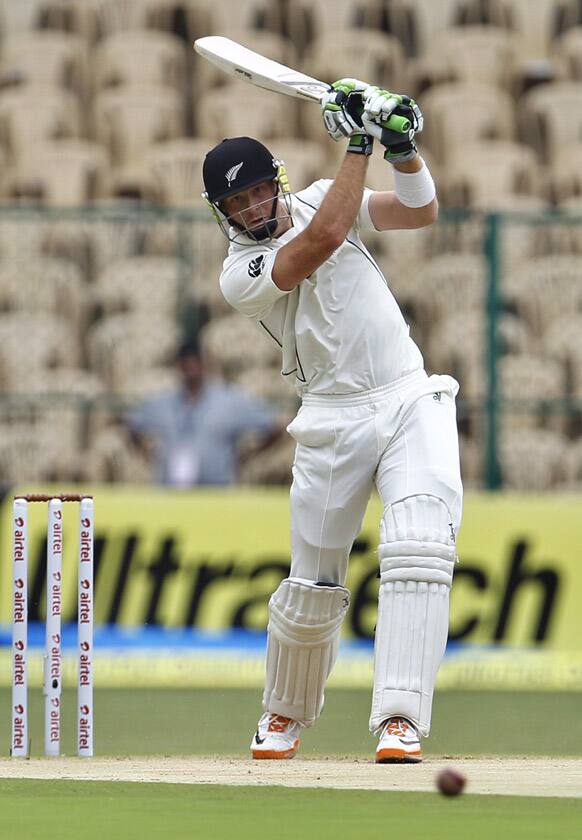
(193, 432)
(370, 415)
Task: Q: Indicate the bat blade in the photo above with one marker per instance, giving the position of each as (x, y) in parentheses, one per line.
(248, 65)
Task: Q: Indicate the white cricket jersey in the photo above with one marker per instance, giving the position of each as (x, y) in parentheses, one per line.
(340, 330)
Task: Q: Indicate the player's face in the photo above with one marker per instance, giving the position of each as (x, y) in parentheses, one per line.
(251, 208)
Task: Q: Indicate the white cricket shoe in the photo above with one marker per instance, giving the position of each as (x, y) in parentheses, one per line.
(399, 742)
(276, 737)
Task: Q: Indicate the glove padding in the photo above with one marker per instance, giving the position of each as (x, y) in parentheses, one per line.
(341, 108)
(380, 106)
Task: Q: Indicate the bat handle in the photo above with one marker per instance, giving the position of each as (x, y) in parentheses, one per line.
(395, 122)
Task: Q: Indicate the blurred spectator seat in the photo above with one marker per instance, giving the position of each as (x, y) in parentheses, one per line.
(113, 236)
(457, 346)
(532, 459)
(43, 284)
(568, 53)
(125, 344)
(130, 119)
(417, 22)
(17, 17)
(363, 53)
(303, 159)
(535, 25)
(68, 16)
(64, 419)
(54, 58)
(26, 457)
(478, 54)
(481, 172)
(119, 15)
(486, 113)
(142, 57)
(551, 118)
(227, 18)
(187, 19)
(111, 458)
(471, 452)
(528, 385)
(231, 344)
(151, 383)
(296, 21)
(30, 343)
(399, 258)
(176, 166)
(561, 341)
(243, 109)
(21, 235)
(572, 467)
(519, 239)
(33, 114)
(448, 280)
(150, 285)
(543, 289)
(564, 237)
(271, 386)
(65, 173)
(565, 174)
(132, 181)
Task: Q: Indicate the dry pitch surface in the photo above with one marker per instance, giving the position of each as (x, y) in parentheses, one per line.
(503, 776)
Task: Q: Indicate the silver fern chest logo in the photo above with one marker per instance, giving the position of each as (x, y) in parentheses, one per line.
(233, 172)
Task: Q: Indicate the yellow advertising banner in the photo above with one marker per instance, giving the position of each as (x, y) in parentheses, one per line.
(210, 560)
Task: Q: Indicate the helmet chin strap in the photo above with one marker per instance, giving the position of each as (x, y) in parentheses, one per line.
(266, 230)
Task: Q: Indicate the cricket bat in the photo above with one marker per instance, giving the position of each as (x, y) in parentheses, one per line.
(254, 68)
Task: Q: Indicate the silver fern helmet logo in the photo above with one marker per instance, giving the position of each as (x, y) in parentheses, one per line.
(233, 172)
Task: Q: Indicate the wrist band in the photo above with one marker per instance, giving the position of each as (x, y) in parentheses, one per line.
(414, 189)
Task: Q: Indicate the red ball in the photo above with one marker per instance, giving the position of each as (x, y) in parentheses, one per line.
(450, 782)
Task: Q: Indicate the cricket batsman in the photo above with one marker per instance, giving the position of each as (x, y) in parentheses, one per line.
(370, 415)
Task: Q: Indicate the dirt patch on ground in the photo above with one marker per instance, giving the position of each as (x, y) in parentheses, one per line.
(507, 776)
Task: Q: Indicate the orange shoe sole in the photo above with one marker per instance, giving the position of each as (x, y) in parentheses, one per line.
(398, 757)
(276, 754)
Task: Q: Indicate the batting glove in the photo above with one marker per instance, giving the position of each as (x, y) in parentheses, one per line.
(341, 108)
(394, 120)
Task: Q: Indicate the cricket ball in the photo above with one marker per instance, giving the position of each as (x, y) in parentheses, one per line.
(450, 782)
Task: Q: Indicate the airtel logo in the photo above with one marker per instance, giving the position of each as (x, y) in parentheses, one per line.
(19, 709)
(58, 514)
(19, 522)
(56, 576)
(19, 645)
(19, 583)
(56, 639)
(85, 646)
(86, 584)
(84, 710)
(86, 523)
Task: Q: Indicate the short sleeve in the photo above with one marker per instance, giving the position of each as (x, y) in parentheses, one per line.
(247, 283)
(364, 221)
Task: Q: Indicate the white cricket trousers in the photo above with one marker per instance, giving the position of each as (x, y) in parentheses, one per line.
(402, 437)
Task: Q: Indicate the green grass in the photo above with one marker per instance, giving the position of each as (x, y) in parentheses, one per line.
(217, 722)
(144, 722)
(32, 810)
